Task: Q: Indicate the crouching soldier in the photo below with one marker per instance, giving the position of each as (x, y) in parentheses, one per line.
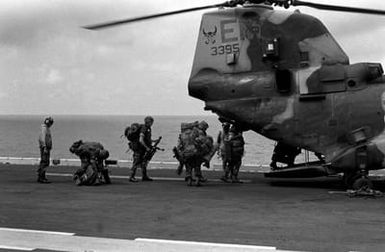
(92, 170)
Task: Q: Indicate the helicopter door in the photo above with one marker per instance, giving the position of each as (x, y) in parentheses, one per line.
(319, 81)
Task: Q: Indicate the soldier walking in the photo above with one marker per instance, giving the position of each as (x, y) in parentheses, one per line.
(45, 145)
(140, 147)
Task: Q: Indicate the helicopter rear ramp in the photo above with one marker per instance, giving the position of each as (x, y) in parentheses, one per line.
(304, 170)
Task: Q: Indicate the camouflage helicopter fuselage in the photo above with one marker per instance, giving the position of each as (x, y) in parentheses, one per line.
(283, 75)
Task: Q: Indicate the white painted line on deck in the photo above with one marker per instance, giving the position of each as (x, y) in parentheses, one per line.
(127, 177)
(206, 244)
(23, 239)
(35, 231)
(16, 248)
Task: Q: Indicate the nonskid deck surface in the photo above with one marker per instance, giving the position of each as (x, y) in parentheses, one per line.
(295, 214)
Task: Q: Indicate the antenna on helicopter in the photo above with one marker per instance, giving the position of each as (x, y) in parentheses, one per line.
(231, 4)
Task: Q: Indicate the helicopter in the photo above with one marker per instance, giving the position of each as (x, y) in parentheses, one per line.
(283, 75)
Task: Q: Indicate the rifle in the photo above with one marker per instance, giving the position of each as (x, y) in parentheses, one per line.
(149, 154)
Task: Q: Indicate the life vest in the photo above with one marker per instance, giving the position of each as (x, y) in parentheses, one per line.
(237, 146)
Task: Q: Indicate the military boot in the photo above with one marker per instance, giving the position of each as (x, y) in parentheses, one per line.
(198, 182)
(202, 179)
(189, 181)
(106, 176)
(234, 179)
(145, 177)
(225, 178)
(41, 179)
(133, 179)
(179, 169)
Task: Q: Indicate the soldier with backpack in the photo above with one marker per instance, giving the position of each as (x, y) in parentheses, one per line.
(194, 148)
(92, 170)
(140, 142)
(237, 150)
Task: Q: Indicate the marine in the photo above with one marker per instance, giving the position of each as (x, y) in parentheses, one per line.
(224, 149)
(236, 143)
(140, 147)
(92, 170)
(194, 148)
(45, 146)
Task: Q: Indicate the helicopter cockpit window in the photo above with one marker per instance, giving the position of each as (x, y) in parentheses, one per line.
(283, 80)
(374, 71)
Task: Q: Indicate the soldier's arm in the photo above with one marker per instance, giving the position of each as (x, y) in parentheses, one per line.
(43, 138)
(141, 140)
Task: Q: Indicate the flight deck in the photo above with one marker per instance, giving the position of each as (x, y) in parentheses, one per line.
(295, 214)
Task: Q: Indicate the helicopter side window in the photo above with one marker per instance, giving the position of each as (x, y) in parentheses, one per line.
(283, 80)
(271, 49)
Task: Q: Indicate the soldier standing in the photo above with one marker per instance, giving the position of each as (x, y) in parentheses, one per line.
(224, 149)
(45, 145)
(237, 144)
(140, 147)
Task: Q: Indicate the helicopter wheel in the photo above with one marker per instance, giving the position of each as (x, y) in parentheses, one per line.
(350, 178)
(362, 183)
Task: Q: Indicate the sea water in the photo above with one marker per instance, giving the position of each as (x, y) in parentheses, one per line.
(19, 136)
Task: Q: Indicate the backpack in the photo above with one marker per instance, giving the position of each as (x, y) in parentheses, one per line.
(132, 132)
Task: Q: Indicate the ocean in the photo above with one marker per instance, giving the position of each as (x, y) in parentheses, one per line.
(19, 134)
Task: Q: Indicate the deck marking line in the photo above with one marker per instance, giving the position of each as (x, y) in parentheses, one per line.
(35, 231)
(222, 245)
(16, 248)
(127, 177)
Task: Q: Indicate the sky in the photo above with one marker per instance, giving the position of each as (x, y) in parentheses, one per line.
(50, 65)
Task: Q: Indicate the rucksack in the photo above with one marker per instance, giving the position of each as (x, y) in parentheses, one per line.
(132, 132)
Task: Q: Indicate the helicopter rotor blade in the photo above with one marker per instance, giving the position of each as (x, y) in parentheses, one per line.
(338, 8)
(130, 20)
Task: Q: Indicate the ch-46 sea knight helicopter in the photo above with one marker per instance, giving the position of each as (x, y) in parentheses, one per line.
(284, 76)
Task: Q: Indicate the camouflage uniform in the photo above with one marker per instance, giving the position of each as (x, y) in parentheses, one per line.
(45, 146)
(193, 164)
(224, 149)
(140, 147)
(236, 143)
(200, 131)
(92, 154)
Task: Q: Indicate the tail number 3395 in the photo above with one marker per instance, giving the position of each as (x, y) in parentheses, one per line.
(224, 49)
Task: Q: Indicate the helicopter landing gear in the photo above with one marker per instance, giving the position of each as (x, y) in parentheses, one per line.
(357, 181)
(363, 183)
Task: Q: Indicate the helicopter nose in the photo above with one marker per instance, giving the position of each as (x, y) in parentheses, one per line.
(198, 88)
(202, 84)
(198, 91)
